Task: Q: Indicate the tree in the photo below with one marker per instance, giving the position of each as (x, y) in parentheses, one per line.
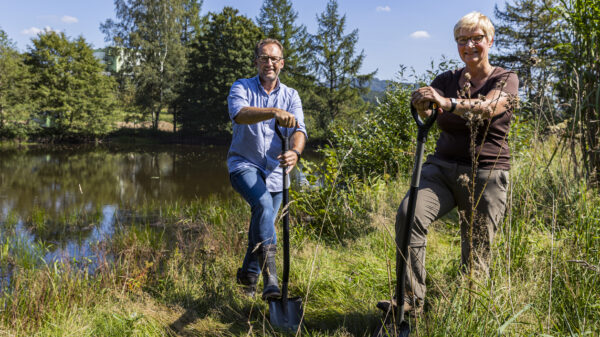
(337, 66)
(526, 34)
(154, 34)
(72, 92)
(15, 93)
(223, 53)
(277, 20)
(580, 71)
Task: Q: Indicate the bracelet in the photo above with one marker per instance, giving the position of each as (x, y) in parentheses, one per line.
(453, 106)
(296, 152)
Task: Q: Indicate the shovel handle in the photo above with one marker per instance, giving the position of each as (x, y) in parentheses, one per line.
(285, 140)
(402, 253)
(424, 125)
(285, 146)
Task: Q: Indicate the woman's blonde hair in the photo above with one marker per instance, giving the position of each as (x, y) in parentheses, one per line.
(474, 20)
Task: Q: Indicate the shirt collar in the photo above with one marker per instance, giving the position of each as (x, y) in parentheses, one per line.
(277, 86)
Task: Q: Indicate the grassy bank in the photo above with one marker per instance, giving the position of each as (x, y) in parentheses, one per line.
(169, 270)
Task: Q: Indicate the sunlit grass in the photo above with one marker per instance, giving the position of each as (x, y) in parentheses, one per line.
(172, 270)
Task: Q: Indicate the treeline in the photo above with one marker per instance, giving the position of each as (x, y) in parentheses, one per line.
(176, 65)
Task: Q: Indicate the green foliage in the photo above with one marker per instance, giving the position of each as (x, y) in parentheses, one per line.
(277, 19)
(526, 33)
(324, 210)
(154, 35)
(72, 93)
(337, 68)
(16, 104)
(580, 89)
(382, 142)
(223, 53)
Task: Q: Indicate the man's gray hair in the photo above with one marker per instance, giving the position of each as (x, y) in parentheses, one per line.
(265, 42)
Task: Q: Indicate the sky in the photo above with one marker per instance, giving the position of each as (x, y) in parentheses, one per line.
(392, 33)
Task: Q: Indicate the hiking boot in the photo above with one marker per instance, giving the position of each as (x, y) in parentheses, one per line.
(409, 310)
(266, 258)
(248, 280)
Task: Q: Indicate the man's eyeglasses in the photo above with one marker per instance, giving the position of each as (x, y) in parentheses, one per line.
(266, 58)
(463, 40)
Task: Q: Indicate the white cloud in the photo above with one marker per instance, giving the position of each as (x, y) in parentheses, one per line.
(36, 30)
(420, 34)
(31, 31)
(69, 19)
(383, 9)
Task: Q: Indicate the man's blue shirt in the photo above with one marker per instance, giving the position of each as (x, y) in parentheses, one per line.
(257, 145)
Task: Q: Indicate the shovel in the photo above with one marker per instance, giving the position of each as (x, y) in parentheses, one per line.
(402, 327)
(286, 313)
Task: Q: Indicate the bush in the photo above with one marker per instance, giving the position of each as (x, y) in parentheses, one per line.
(336, 208)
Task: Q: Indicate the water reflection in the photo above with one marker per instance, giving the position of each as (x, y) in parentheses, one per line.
(81, 179)
(68, 197)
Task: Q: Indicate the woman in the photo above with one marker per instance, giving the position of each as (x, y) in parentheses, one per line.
(476, 102)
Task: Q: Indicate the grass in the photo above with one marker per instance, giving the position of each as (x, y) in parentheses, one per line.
(173, 267)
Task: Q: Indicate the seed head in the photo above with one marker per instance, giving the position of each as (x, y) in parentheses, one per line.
(464, 180)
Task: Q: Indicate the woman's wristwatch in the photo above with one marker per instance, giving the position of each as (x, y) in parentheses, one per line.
(296, 152)
(453, 106)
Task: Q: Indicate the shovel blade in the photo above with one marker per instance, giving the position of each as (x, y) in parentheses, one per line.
(286, 316)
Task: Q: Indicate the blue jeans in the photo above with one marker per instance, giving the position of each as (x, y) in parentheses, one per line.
(264, 205)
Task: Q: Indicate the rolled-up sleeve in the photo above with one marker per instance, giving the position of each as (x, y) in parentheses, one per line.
(237, 99)
(296, 110)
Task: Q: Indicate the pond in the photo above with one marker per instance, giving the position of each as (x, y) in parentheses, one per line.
(68, 197)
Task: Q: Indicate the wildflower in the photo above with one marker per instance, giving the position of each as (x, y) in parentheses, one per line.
(464, 180)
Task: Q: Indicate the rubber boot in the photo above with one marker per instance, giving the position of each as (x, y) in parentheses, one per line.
(248, 281)
(266, 258)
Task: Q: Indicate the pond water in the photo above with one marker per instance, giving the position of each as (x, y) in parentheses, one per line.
(68, 197)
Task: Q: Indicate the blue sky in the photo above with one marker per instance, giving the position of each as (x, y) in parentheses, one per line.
(391, 32)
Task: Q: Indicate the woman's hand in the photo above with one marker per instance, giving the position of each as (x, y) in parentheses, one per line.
(423, 97)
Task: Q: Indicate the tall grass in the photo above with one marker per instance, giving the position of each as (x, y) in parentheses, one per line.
(169, 269)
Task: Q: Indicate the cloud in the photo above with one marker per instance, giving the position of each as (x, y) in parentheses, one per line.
(31, 31)
(36, 30)
(420, 34)
(69, 19)
(383, 9)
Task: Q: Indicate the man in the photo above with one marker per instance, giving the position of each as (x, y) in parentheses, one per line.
(256, 107)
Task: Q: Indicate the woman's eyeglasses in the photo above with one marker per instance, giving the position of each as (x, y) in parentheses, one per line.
(463, 40)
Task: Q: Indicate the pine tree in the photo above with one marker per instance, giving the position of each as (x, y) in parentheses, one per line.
(223, 53)
(526, 34)
(277, 20)
(337, 66)
(579, 86)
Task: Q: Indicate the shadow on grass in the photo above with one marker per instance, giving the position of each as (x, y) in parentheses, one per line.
(233, 315)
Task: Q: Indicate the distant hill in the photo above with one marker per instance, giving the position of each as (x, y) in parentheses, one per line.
(377, 87)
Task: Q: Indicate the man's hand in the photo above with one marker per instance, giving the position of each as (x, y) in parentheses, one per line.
(423, 97)
(288, 160)
(285, 118)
